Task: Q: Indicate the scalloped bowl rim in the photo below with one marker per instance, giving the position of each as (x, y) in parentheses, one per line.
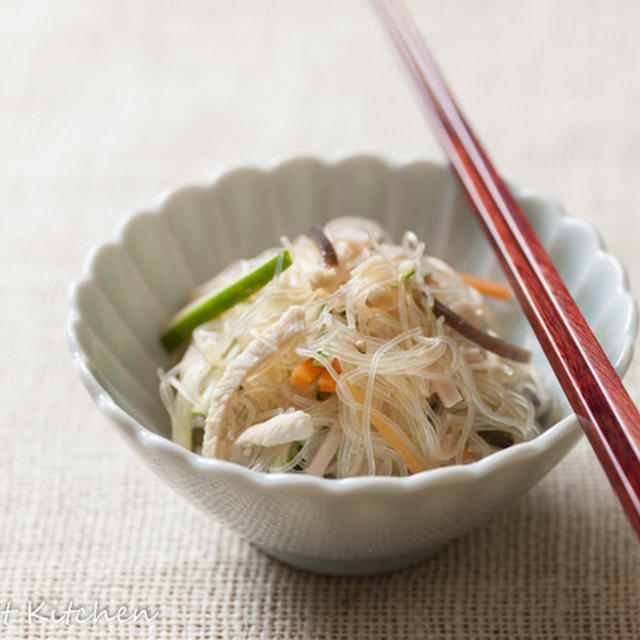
(144, 437)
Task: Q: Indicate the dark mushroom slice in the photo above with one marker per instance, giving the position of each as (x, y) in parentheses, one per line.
(481, 338)
(323, 243)
(197, 437)
(497, 438)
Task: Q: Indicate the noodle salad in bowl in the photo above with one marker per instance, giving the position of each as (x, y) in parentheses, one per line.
(343, 354)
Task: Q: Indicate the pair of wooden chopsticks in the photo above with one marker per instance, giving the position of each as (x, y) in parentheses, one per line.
(603, 407)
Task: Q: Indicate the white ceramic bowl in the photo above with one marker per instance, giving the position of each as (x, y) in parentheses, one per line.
(134, 282)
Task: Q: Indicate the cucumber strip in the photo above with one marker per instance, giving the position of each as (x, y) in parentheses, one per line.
(212, 305)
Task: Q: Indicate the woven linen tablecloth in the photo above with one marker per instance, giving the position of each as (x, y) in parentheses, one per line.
(104, 104)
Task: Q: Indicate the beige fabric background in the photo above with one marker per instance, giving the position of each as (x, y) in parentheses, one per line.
(102, 105)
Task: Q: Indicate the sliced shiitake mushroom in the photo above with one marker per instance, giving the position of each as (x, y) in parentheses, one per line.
(323, 243)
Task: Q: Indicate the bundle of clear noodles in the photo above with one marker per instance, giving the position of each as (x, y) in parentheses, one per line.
(363, 357)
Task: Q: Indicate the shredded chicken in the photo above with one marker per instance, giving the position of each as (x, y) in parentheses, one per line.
(285, 427)
(290, 326)
(325, 452)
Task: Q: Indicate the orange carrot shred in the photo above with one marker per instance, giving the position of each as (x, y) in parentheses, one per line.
(487, 287)
(305, 373)
(467, 456)
(409, 458)
(326, 382)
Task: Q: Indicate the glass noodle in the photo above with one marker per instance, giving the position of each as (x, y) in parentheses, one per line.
(347, 369)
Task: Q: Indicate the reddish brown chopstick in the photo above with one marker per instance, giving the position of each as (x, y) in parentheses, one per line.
(603, 407)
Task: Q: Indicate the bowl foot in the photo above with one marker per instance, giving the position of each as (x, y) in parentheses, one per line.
(346, 567)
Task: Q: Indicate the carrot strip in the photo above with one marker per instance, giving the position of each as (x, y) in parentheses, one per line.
(409, 458)
(467, 456)
(487, 287)
(326, 382)
(305, 373)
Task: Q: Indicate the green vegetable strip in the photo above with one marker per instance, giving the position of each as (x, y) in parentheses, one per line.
(214, 304)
